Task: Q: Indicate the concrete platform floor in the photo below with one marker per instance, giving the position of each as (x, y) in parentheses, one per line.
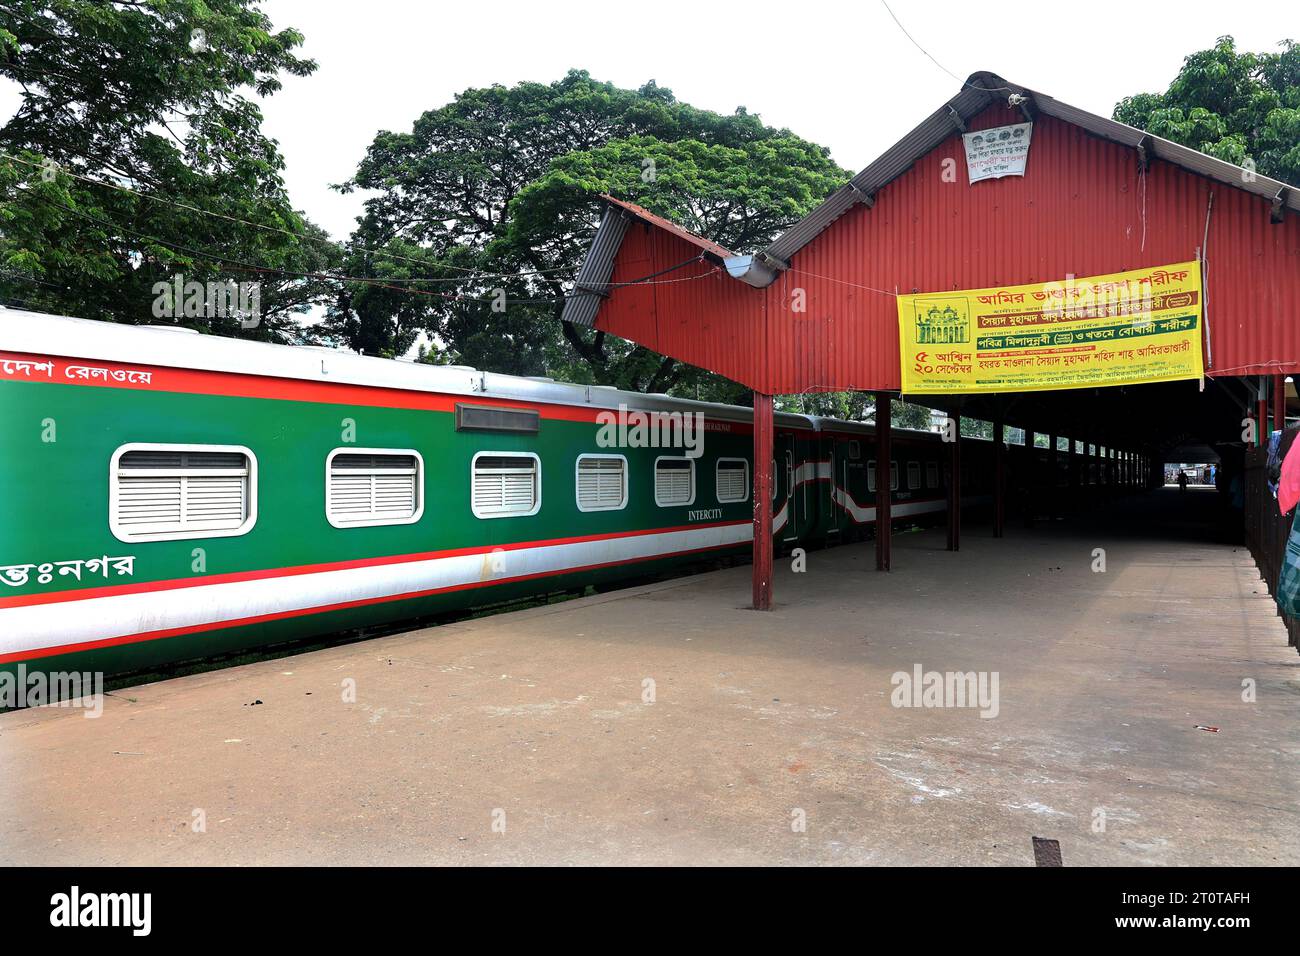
(537, 718)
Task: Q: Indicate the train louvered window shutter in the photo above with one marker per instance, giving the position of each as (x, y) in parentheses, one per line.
(674, 481)
(732, 480)
(602, 482)
(932, 474)
(913, 475)
(368, 488)
(505, 485)
(167, 493)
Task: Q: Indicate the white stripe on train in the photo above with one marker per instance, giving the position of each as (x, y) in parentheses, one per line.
(64, 623)
(44, 626)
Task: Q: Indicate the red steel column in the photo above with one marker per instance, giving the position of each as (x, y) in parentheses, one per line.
(999, 477)
(954, 489)
(1279, 403)
(1053, 440)
(763, 502)
(884, 495)
(1261, 414)
(1031, 477)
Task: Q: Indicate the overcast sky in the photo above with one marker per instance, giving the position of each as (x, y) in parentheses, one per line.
(840, 74)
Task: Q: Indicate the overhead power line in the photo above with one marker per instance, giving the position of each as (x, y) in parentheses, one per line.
(894, 17)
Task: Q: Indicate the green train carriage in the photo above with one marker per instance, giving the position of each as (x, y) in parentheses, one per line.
(173, 496)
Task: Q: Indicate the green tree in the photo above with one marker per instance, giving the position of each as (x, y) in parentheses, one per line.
(856, 407)
(504, 181)
(149, 96)
(1241, 107)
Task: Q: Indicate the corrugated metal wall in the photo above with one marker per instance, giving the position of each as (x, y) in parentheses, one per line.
(1082, 208)
(697, 314)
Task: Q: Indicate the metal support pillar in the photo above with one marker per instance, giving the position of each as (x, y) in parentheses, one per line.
(1030, 494)
(884, 494)
(954, 488)
(763, 456)
(1053, 440)
(999, 477)
(1261, 415)
(1072, 471)
(1279, 403)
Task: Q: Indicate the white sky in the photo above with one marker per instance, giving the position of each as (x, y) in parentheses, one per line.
(839, 74)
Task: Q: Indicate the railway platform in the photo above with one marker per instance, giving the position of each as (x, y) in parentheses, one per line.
(1144, 713)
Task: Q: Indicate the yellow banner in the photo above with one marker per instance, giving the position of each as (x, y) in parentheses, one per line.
(1120, 329)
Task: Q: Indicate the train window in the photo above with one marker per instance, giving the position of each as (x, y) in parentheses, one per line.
(855, 449)
(871, 475)
(602, 482)
(674, 481)
(366, 487)
(505, 484)
(732, 480)
(932, 474)
(172, 492)
(913, 475)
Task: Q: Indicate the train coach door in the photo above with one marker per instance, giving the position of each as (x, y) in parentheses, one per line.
(791, 531)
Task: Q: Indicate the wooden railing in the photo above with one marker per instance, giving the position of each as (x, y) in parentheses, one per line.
(1267, 530)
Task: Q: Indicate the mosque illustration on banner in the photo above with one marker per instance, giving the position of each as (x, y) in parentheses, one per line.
(942, 322)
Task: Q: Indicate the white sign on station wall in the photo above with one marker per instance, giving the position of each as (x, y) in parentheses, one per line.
(994, 153)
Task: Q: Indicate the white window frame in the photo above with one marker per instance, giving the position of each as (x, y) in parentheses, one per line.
(126, 535)
(473, 468)
(893, 475)
(919, 480)
(375, 522)
(748, 480)
(577, 471)
(675, 504)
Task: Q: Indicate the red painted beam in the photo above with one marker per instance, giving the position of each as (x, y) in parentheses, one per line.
(763, 502)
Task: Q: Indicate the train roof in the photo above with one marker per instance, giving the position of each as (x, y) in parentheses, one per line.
(175, 347)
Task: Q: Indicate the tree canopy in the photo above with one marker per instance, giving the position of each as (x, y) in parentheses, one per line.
(150, 97)
(1241, 107)
(505, 180)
